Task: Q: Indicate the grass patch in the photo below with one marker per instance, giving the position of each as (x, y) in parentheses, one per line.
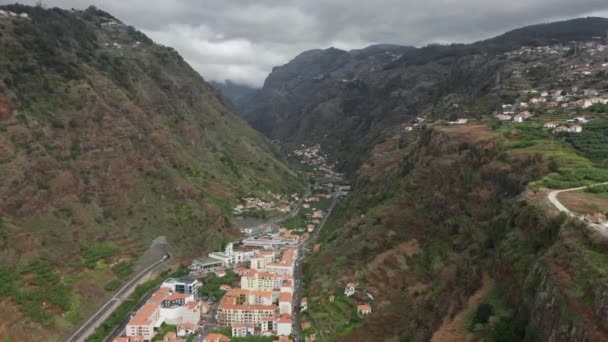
(123, 269)
(212, 283)
(95, 251)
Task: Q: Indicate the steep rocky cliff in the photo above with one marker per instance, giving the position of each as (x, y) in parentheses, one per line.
(437, 229)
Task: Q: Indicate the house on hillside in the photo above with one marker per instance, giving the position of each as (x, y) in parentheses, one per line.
(364, 309)
(503, 117)
(550, 125)
(597, 218)
(350, 289)
(508, 109)
(538, 100)
(561, 129)
(575, 129)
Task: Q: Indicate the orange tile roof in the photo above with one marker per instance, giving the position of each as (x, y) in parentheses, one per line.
(285, 297)
(189, 326)
(216, 337)
(259, 293)
(177, 296)
(159, 295)
(192, 305)
(284, 318)
(228, 305)
(142, 317)
(364, 307)
(121, 339)
(170, 335)
(262, 274)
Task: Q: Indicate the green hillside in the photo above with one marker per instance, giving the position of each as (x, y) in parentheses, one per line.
(108, 140)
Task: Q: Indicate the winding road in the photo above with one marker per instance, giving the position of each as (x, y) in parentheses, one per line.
(98, 317)
(552, 197)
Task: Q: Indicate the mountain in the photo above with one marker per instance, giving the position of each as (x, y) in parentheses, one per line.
(448, 233)
(237, 93)
(108, 140)
(345, 99)
(439, 238)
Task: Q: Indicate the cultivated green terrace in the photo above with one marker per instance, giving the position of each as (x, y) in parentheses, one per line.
(108, 140)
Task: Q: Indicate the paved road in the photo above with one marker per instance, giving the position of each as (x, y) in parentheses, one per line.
(98, 317)
(304, 249)
(552, 196)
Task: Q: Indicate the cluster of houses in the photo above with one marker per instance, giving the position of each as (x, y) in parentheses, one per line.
(263, 305)
(515, 113)
(584, 59)
(363, 307)
(566, 100)
(587, 97)
(174, 303)
(569, 126)
(274, 202)
(318, 163)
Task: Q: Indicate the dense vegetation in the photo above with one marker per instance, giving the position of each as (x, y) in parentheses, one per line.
(212, 283)
(108, 141)
(434, 221)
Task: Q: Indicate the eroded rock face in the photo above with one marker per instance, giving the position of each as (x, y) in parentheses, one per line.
(6, 111)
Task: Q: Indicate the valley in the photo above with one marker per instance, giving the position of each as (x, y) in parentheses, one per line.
(453, 192)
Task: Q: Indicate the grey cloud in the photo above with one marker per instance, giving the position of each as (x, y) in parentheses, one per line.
(242, 40)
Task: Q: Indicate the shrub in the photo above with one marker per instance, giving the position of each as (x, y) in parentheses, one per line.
(483, 313)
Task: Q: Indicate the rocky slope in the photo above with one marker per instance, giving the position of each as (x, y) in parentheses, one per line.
(435, 230)
(345, 99)
(107, 140)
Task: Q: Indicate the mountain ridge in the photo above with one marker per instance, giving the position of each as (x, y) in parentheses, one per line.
(325, 88)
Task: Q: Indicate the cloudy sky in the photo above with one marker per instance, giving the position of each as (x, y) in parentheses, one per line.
(241, 40)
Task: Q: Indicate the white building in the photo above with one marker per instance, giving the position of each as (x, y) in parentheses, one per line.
(262, 281)
(285, 303)
(182, 285)
(242, 330)
(143, 323)
(350, 289)
(284, 324)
